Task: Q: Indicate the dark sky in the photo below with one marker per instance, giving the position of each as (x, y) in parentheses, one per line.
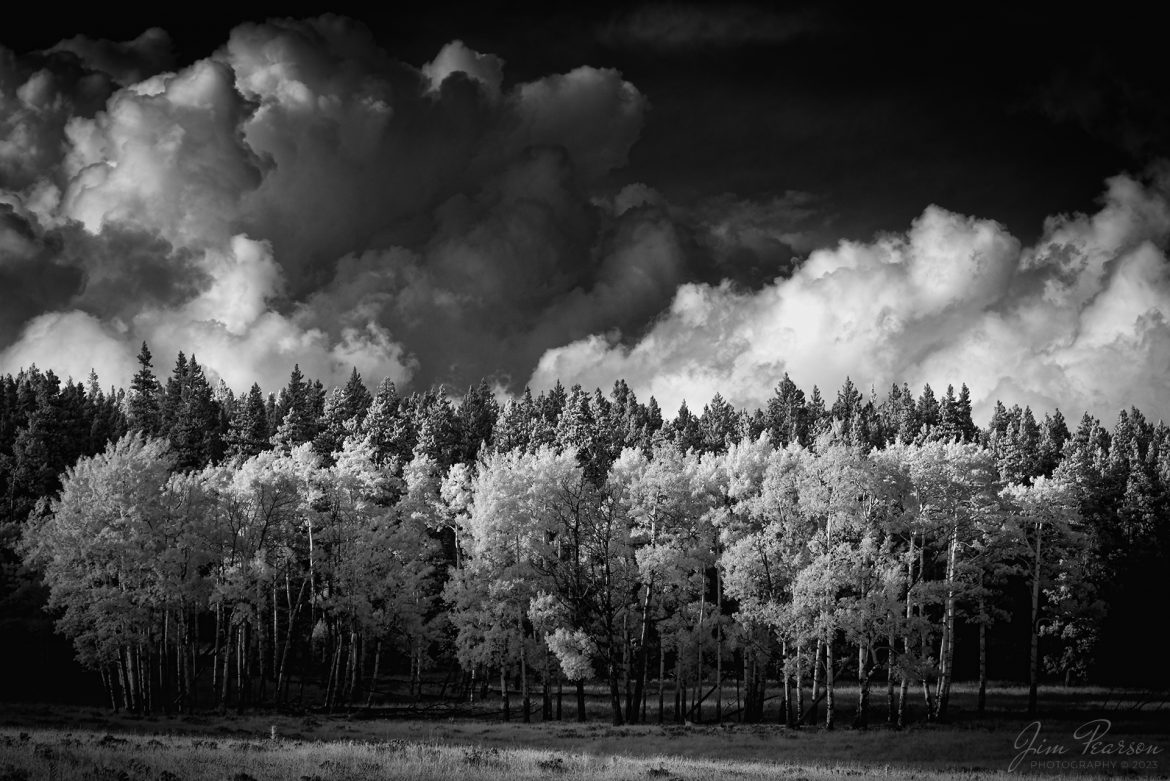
(1012, 113)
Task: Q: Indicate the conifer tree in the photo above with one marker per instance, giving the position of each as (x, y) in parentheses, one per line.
(513, 425)
(928, 410)
(685, 430)
(477, 419)
(144, 412)
(248, 434)
(195, 435)
(719, 426)
(298, 402)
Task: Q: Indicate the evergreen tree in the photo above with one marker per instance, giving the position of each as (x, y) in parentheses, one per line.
(816, 417)
(1018, 455)
(550, 406)
(928, 410)
(379, 423)
(967, 427)
(786, 416)
(513, 425)
(719, 426)
(144, 412)
(195, 436)
(439, 436)
(685, 431)
(950, 427)
(248, 434)
(1053, 435)
(298, 403)
(477, 419)
(652, 424)
(172, 396)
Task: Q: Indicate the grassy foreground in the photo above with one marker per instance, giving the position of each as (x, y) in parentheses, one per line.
(43, 742)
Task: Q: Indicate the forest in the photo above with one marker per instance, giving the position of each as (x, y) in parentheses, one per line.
(200, 549)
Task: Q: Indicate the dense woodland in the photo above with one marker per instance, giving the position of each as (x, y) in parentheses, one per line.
(205, 550)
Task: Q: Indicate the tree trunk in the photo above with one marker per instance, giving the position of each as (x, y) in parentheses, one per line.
(811, 717)
(354, 657)
(642, 662)
(661, 681)
(1034, 657)
(829, 682)
(294, 610)
(696, 704)
(546, 690)
(374, 678)
(946, 653)
(981, 706)
(124, 679)
(225, 677)
(524, 694)
(580, 700)
(241, 673)
(904, 683)
(861, 720)
(799, 715)
(504, 692)
(615, 695)
(786, 701)
(891, 715)
(740, 673)
(215, 658)
(718, 639)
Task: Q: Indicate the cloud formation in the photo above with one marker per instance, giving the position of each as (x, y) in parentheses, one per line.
(1080, 320)
(301, 196)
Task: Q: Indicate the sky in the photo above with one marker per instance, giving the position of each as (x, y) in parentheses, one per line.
(694, 197)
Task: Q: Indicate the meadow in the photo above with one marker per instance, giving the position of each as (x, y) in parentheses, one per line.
(59, 742)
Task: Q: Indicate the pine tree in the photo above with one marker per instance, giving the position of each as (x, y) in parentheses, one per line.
(817, 420)
(786, 416)
(195, 434)
(967, 427)
(719, 426)
(439, 436)
(950, 428)
(928, 410)
(685, 431)
(379, 422)
(172, 396)
(550, 406)
(477, 419)
(652, 425)
(513, 425)
(299, 422)
(1053, 435)
(248, 434)
(144, 412)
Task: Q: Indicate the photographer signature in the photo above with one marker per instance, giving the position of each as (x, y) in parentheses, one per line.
(1091, 737)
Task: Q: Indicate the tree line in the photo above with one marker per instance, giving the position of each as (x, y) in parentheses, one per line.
(200, 548)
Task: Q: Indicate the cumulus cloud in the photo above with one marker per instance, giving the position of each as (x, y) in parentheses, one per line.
(126, 62)
(455, 57)
(302, 196)
(1079, 320)
(166, 159)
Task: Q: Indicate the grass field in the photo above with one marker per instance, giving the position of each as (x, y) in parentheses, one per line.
(85, 743)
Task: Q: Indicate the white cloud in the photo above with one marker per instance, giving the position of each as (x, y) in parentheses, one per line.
(1079, 320)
